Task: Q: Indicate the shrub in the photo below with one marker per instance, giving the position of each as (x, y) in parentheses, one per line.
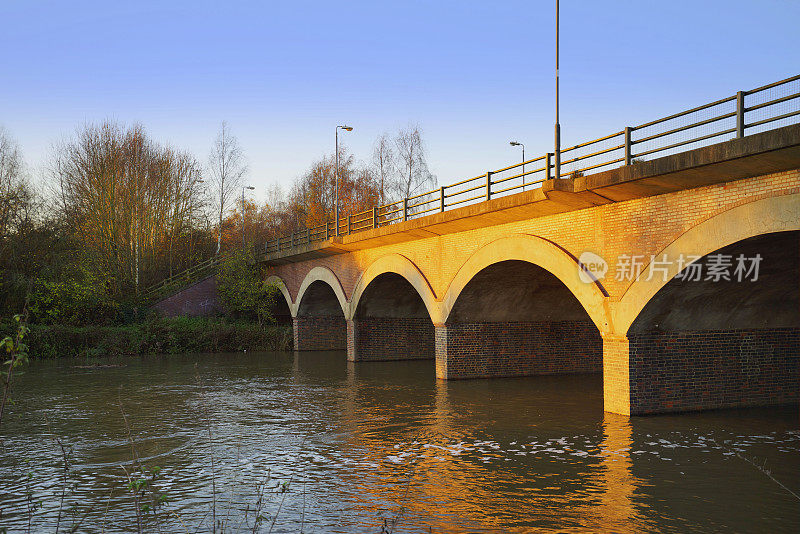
(242, 289)
(161, 336)
(77, 298)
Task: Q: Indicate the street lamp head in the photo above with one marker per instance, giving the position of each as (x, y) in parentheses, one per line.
(250, 187)
(348, 128)
(514, 143)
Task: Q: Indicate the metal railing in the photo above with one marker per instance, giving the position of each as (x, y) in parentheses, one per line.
(190, 275)
(747, 112)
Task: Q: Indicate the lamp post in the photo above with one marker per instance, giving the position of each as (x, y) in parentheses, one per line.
(250, 187)
(336, 181)
(516, 143)
(191, 223)
(558, 126)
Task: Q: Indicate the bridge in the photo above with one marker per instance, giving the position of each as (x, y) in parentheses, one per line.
(665, 256)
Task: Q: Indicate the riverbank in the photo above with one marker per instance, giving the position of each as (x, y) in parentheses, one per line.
(159, 336)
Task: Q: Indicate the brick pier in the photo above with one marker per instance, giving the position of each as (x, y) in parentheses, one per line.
(679, 371)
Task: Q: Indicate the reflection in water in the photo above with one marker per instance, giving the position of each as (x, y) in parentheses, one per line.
(357, 445)
(616, 510)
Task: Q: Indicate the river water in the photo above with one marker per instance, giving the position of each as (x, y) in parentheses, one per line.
(308, 442)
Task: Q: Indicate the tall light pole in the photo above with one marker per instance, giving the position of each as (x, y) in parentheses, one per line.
(558, 126)
(336, 182)
(516, 143)
(191, 222)
(250, 187)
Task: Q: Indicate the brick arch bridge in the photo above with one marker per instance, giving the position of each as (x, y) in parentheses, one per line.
(498, 288)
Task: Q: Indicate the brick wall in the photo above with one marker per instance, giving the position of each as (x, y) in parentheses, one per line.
(198, 300)
(472, 350)
(678, 371)
(324, 332)
(390, 338)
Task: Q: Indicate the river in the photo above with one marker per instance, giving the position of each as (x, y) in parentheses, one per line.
(309, 442)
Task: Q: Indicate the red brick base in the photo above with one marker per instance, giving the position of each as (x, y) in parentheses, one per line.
(325, 332)
(681, 371)
(382, 339)
(474, 350)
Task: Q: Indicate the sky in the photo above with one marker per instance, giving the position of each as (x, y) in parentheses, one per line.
(472, 75)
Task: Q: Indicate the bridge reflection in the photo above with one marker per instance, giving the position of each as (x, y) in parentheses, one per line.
(448, 455)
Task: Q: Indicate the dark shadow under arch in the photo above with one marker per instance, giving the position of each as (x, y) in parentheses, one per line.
(709, 343)
(320, 322)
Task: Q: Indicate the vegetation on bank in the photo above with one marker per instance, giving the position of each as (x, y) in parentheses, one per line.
(118, 212)
(71, 318)
(157, 336)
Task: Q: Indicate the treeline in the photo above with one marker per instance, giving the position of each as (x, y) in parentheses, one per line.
(118, 212)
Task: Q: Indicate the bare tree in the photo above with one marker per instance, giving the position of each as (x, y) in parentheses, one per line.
(10, 159)
(11, 181)
(181, 173)
(128, 199)
(413, 176)
(17, 199)
(383, 160)
(227, 168)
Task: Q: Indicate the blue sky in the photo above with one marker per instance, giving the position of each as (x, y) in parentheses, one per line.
(473, 75)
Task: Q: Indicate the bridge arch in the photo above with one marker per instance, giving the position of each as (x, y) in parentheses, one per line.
(278, 282)
(320, 312)
(518, 307)
(400, 265)
(325, 276)
(282, 309)
(764, 216)
(702, 341)
(542, 253)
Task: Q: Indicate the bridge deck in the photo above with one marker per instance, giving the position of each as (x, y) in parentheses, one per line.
(767, 152)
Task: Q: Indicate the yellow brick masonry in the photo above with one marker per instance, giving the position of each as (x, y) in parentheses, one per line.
(616, 375)
(642, 226)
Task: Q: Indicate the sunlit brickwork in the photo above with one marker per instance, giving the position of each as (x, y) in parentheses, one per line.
(636, 375)
(641, 226)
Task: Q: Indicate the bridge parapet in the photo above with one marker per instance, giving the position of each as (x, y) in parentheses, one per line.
(747, 112)
(763, 153)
